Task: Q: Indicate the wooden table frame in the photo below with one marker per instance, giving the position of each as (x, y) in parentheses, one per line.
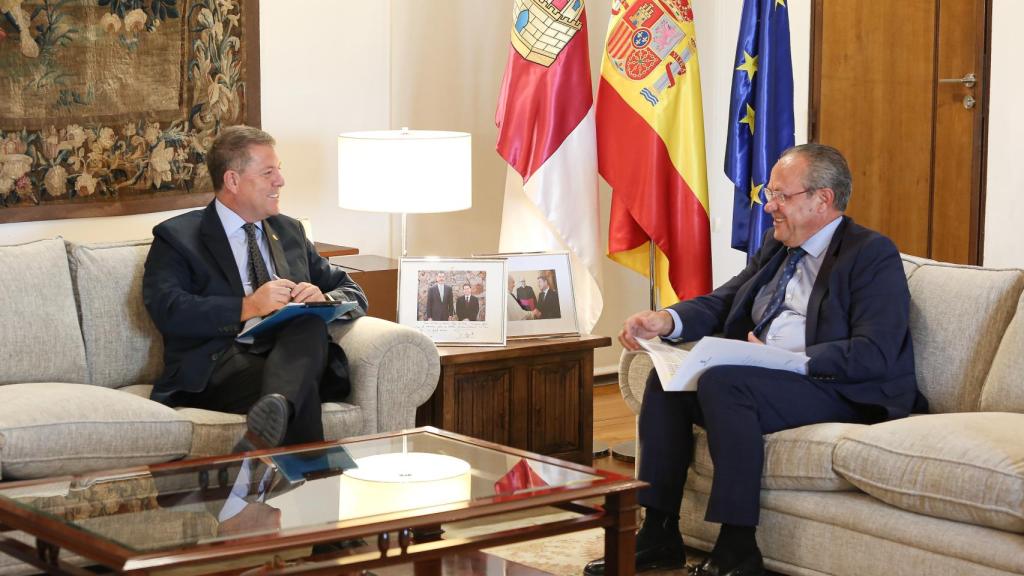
(617, 517)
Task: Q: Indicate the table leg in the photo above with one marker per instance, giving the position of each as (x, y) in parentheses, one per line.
(620, 537)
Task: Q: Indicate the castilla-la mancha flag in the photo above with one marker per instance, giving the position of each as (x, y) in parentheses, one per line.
(650, 145)
(545, 122)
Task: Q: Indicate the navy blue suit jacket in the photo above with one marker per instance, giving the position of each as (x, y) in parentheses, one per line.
(193, 292)
(858, 315)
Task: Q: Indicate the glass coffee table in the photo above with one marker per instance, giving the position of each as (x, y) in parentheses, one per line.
(328, 508)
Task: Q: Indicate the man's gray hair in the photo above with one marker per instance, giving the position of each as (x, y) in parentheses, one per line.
(826, 168)
(230, 151)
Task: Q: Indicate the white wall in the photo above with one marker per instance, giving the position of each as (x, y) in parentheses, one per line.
(1004, 210)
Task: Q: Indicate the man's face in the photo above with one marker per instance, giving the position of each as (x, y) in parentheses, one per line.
(255, 190)
(511, 283)
(542, 283)
(440, 278)
(466, 290)
(799, 216)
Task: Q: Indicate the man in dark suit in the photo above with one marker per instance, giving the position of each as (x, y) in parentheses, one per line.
(468, 306)
(547, 300)
(440, 305)
(820, 284)
(210, 271)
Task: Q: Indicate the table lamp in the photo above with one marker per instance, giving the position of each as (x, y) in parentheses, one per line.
(385, 483)
(405, 172)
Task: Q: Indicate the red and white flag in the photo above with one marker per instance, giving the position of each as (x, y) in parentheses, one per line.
(546, 133)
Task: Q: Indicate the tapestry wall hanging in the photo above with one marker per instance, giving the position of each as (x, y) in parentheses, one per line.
(108, 107)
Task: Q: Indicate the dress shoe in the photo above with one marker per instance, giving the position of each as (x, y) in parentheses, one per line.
(752, 565)
(266, 424)
(664, 555)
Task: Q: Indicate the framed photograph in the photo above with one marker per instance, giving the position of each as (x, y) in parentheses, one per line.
(454, 301)
(539, 294)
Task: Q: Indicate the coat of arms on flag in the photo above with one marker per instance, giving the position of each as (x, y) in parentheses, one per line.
(648, 40)
(543, 27)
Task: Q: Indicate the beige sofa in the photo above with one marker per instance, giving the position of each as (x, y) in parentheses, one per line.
(936, 494)
(79, 353)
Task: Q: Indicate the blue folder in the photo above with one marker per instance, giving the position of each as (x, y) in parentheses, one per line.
(329, 311)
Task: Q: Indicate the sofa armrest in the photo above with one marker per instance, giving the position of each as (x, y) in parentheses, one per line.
(393, 370)
(634, 368)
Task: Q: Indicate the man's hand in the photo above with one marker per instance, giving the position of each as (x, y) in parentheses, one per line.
(753, 339)
(306, 292)
(646, 325)
(267, 298)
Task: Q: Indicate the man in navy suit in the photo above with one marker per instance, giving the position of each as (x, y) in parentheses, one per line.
(820, 284)
(468, 306)
(209, 271)
(440, 305)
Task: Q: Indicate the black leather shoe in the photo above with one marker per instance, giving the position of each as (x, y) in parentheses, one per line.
(662, 556)
(752, 565)
(266, 423)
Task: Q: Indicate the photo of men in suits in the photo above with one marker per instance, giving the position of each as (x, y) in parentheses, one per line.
(440, 305)
(467, 307)
(547, 300)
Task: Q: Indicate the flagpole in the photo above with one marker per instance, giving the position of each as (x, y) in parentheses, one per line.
(652, 275)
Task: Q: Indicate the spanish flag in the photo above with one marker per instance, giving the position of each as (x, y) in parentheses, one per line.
(650, 145)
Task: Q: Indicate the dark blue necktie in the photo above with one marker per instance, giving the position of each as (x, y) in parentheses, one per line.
(779, 296)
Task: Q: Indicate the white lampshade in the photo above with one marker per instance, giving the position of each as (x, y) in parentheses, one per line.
(405, 171)
(385, 483)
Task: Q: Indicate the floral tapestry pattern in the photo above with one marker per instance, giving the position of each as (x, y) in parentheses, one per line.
(112, 102)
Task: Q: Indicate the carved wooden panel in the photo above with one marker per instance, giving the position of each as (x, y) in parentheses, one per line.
(481, 404)
(555, 407)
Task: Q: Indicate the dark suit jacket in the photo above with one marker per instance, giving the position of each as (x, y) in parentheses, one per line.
(193, 292)
(437, 309)
(467, 310)
(858, 334)
(547, 303)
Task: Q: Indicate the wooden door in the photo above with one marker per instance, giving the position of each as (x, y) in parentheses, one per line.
(882, 91)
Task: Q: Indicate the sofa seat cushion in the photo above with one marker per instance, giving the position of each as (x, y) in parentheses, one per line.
(216, 433)
(967, 467)
(50, 429)
(795, 459)
(39, 333)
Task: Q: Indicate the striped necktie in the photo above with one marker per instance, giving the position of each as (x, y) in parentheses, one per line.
(775, 304)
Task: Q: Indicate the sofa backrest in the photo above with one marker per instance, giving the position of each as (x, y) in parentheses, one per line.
(40, 337)
(958, 315)
(122, 345)
(1004, 387)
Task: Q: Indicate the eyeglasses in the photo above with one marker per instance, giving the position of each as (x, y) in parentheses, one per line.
(780, 198)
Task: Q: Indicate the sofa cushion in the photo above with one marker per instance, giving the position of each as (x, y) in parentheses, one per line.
(1003, 391)
(967, 467)
(49, 429)
(217, 432)
(957, 316)
(795, 459)
(39, 333)
(121, 343)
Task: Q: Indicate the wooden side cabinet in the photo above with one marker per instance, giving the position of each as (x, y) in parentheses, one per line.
(535, 394)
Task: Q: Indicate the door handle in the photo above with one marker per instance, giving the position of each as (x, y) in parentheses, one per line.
(969, 80)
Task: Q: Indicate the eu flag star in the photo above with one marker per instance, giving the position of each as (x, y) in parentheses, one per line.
(755, 194)
(749, 119)
(749, 65)
(780, 3)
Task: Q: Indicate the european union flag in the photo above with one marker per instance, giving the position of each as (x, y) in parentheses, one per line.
(760, 115)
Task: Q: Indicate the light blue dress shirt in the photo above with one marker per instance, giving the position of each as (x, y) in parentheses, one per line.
(789, 329)
(239, 247)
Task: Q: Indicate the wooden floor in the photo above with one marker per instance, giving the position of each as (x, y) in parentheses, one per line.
(614, 422)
